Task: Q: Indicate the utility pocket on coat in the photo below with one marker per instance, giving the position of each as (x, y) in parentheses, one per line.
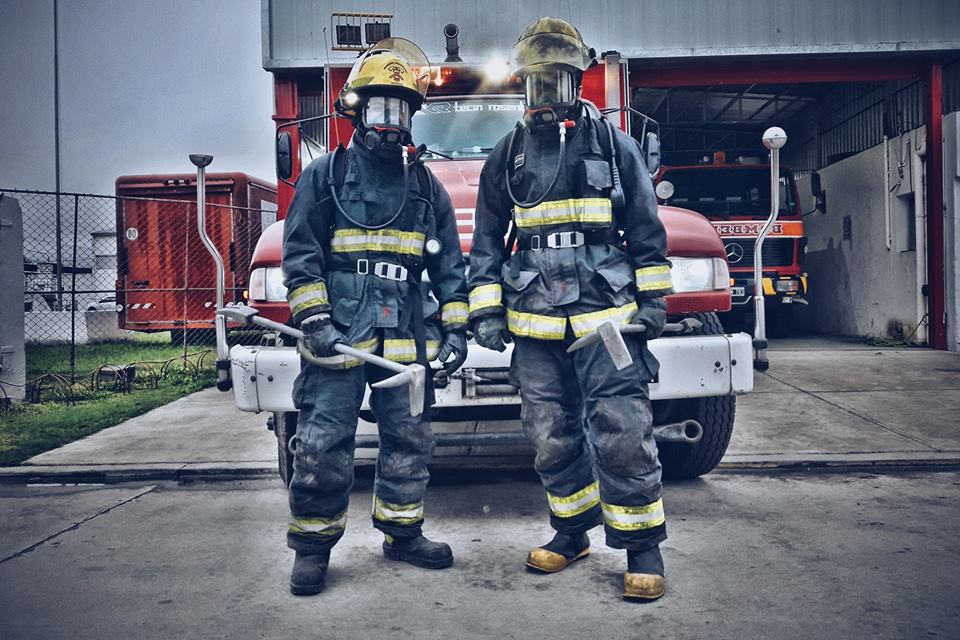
(520, 282)
(595, 177)
(344, 311)
(615, 278)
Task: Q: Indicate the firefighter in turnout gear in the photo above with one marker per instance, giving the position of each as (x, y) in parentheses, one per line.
(589, 248)
(364, 223)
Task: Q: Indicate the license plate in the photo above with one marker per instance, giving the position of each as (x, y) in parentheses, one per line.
(738, 292)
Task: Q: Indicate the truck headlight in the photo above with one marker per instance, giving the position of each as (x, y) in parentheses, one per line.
(787, 286)
(699, 274)
(266, 283)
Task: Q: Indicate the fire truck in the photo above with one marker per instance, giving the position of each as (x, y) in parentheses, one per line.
(468, 109)
(735, 197)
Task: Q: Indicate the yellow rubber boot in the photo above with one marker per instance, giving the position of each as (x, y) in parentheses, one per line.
(644, 577)
(559, 553)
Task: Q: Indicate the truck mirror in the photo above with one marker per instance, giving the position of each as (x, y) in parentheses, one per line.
(284, 153)
(815, 186)
(652, 144)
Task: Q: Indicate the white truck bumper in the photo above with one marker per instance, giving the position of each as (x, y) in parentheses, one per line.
(690, 367)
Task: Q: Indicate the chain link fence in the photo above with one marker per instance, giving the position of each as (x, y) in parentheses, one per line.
(120, 292)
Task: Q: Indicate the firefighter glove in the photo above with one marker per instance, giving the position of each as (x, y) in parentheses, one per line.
(651, 313)
(454, 343)
(491, 332)
(320, 335)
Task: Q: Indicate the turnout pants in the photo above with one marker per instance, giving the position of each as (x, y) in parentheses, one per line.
(329, 402)
(592, 427)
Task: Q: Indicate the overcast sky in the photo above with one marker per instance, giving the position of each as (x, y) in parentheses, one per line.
(143, 83)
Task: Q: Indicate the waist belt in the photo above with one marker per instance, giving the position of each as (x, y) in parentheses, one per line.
(563, 240)
(385, 270)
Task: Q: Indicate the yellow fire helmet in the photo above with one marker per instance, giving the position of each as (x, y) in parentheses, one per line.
(550, 42)
(392, 67)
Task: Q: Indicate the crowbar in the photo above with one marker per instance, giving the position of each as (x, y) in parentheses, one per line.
(612, 336)
(414, 375)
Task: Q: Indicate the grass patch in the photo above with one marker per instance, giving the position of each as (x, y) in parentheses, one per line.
(29, 429)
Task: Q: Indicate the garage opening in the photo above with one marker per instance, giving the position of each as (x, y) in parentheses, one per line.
(855, 253)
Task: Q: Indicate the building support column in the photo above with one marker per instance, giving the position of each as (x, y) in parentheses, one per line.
(933, 120)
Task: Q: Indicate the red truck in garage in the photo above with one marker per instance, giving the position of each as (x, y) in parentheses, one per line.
(735, 197)
(467, 111)
(165, 278)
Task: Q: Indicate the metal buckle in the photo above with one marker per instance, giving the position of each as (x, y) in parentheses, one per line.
(535, 244)
(389, 271)
(363, 266)
(565, 240)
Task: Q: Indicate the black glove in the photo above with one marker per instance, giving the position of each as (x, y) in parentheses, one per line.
(491, 332)
(454, 342)
(320, 335)
(651, 313)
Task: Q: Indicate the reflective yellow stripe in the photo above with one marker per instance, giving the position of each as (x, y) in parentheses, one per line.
(486, 295)
(768, 286)
(319, 526)
(384, 240)
(309, 295)
(572, 210)
(627, 518)
(405, 349)
(654, 278)
(454, 313)
(584, 323)
(532, 325)
(397, 513)
(342, 361)
(575, 503)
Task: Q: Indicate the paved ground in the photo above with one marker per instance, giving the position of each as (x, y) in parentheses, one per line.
(749, 556)
(823, 401)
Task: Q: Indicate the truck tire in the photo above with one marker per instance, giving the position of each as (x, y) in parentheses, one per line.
(715, 414)
(285, 426)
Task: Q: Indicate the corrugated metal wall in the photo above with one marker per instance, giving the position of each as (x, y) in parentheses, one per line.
(294, 29)
(850, 118)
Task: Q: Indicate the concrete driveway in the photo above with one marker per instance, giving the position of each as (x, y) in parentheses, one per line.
(749, 556)
(824, 401)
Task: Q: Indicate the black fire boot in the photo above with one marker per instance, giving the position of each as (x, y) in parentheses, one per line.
(418, 551)
(644, 577)
(309, 573)
(558, 553)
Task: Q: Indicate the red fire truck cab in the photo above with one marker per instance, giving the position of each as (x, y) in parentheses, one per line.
(466, 113)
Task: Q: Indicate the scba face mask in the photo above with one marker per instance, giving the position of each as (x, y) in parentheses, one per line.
(386, 121)
(549, 96)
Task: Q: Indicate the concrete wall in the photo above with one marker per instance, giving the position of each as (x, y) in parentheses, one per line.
(90, 326)
(12, 355)
(951, 201)
(860, 286)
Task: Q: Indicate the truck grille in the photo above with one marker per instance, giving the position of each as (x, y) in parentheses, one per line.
(777, 252)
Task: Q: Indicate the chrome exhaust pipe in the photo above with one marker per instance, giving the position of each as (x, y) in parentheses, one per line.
(451, 33)
(686, 431)
(201, 160)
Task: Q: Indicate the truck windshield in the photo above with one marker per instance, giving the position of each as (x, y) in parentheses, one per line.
(465, 127)
(723, 192)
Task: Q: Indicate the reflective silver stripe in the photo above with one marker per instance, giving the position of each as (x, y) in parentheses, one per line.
(454, 313)
(405, 349)
(576, 503)
(398, 513)
(384, 240)
(585, 323)
(654, 278)
(533, 325)
(347, 362)
(572, 210)
(309, 295)
(321, 526)
(629, 518)
(485, 295)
